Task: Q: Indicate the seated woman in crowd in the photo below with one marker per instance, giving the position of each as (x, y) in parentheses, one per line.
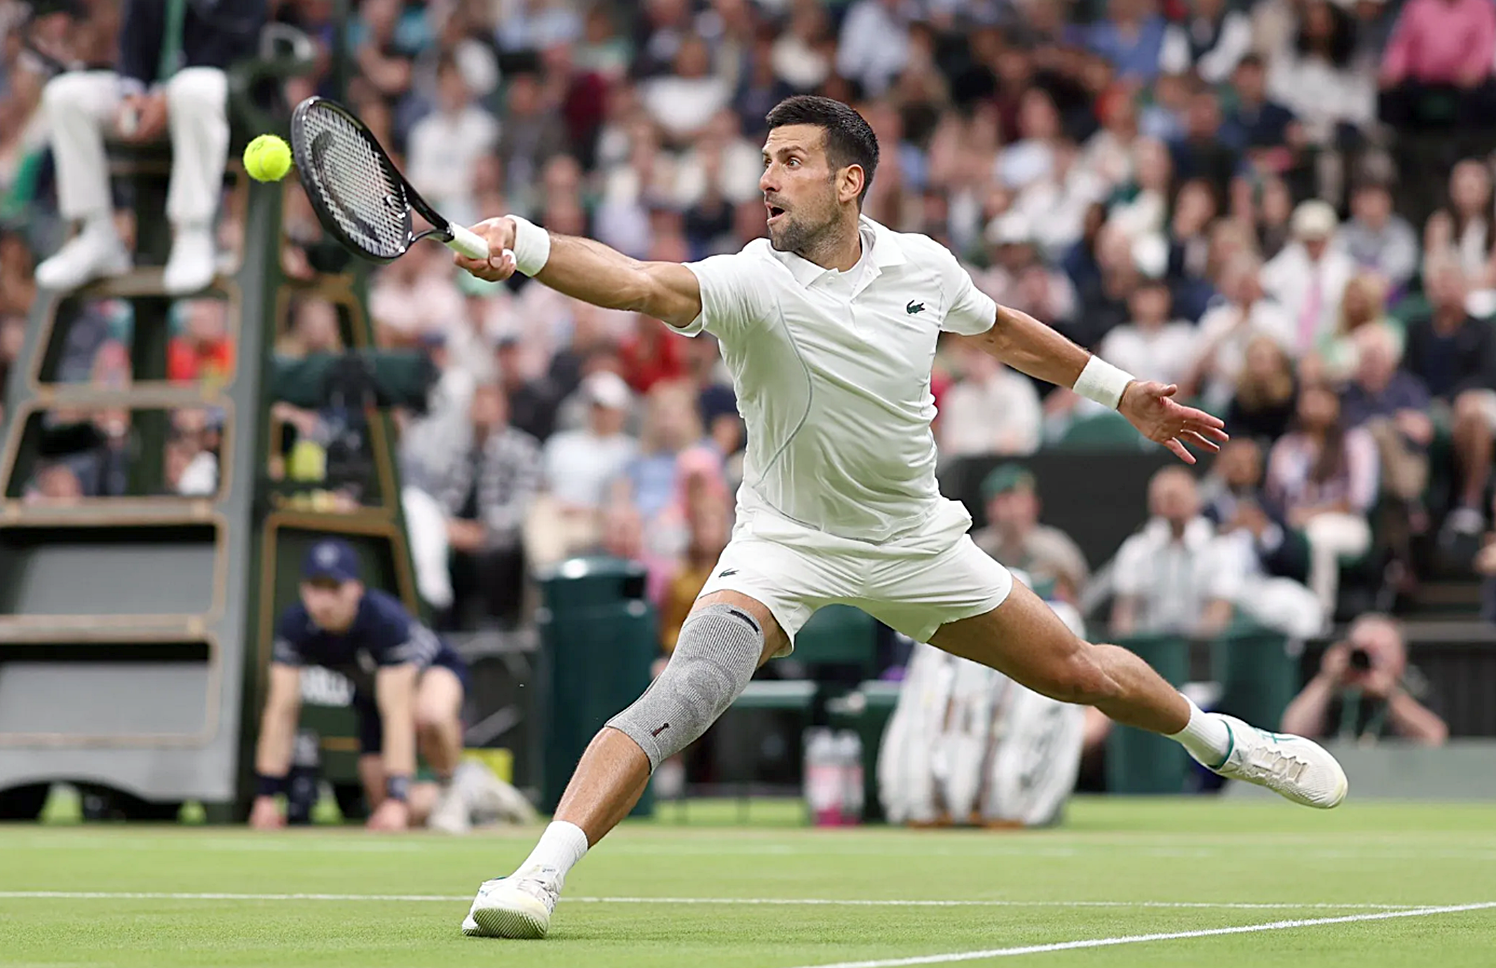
(1325, 479)
(1266, 393)
(1364, 302)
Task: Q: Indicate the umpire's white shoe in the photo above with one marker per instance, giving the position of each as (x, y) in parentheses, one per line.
(94, 253)
(518, 906)
(1293, 767)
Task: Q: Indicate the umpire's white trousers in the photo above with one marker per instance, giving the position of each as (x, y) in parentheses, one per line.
(81, 106)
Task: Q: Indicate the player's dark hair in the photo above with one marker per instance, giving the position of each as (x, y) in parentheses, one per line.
(849, 138)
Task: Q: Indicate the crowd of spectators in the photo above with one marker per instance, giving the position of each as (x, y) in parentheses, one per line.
(1207, 193)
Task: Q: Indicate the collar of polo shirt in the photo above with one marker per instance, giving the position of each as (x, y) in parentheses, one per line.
(885, 247)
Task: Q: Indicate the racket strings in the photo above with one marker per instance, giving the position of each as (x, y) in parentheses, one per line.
(355, 185)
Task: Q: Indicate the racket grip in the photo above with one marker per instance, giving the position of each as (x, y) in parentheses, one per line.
(468, 243)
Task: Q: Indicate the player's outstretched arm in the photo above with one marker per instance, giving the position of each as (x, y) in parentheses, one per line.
(587, 270)
(273, 749)
(1031, 347)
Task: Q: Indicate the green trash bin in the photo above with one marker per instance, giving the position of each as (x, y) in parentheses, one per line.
(598, 639)
(1257, 673)
(1140, 762)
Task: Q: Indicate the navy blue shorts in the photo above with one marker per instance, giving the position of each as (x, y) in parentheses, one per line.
(371, 728)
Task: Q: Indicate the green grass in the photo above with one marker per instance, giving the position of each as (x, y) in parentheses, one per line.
(1135, 854)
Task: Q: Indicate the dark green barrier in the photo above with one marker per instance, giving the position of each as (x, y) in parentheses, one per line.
(1140, 762)
(597, 638)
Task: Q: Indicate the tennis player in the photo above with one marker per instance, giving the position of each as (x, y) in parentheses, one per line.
(829, 329)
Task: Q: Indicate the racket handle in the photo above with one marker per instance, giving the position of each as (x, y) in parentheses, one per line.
(467, 242)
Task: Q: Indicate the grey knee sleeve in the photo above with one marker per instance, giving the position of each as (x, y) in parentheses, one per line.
(718, 650)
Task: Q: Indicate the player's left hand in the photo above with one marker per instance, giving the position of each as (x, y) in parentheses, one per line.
(1148, 406)
(390, 815)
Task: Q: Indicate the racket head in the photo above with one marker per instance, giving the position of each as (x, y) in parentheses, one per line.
(359, 195)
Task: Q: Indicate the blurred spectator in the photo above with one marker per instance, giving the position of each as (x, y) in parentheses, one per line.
(17, 284)
(1014, 537)
(1210, 41)
(1442, 47)
(204, 349)
(697, 480)
(1365, 690)
(486, 494)
(874, 43)
(1152, 346)
(1141, 207)
(1190, 251)
(671, 424)
(170, 80)
(708, 527)
(1173, 576)
(446, 144)
(579, 466)
(681, 103)
(803, 55)
(1203, 151)
(1130, 37)
(991, 410)
(1229, 327)
(1455, 357)
(1315, 75)
(1272, 557)
(1363, 304)
(1462, 229)
(650, 354)
(1264, 129)
(528, 139)
(1378, 238)
(191, 467)
(715, 401)
(1393, 405)
(1266, 393)
(1309, 276)
(1324, 477)
(413, 295)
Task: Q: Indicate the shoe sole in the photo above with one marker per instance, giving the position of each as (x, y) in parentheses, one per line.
(499, 922)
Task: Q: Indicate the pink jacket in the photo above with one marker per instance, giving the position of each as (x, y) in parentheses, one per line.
(1438, 41)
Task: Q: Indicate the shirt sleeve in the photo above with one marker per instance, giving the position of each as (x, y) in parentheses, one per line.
(734, 294)
(287, 650)
(1127, 571)
(397, 638)
(970, 311)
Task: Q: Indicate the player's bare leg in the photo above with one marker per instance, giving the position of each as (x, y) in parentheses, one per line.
(1023, 639)
(609, 779)
(439, 738)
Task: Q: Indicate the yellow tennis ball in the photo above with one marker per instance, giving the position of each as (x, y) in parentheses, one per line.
(267, 158)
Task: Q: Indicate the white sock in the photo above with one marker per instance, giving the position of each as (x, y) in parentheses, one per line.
(560, 847)
(1205, 736)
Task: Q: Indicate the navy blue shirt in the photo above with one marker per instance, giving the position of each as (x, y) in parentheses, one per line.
(1404, 392)
(383, 634)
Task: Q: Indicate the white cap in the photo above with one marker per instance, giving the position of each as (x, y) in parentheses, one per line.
(1314, 219)
(607, 389)
(1150, 254)
(1010, 228)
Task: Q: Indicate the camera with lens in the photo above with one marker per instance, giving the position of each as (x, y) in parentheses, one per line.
(1360, 659)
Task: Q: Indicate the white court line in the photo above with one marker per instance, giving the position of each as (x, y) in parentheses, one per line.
(767, 901)
(1036, 949)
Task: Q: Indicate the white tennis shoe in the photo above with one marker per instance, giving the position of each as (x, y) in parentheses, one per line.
(1293, 767)
(518, 906)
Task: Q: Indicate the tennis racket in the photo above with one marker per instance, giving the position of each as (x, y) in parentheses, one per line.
(359, 195)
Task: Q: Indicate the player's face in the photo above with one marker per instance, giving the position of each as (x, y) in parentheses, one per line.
(800, 187)
(332, 605)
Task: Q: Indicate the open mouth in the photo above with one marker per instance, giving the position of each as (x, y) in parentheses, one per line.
(774, 212)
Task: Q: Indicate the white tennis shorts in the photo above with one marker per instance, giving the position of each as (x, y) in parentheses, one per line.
(912, 588)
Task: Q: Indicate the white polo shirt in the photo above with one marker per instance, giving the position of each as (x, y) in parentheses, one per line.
(832, 374)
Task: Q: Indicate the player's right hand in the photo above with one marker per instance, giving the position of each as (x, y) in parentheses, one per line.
(499, 233)
(390, 815)
(266, 814)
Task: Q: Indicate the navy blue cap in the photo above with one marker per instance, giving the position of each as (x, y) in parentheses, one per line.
(330, 560)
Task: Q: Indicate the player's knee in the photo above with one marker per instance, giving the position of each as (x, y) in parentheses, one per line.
(66, 93)
(717, 652)
(200, 90)
(429, 721)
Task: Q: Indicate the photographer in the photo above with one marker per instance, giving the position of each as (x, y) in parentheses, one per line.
(1365, 691)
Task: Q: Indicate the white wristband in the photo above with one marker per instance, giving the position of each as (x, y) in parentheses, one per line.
(1102, 382)
(532, 246)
